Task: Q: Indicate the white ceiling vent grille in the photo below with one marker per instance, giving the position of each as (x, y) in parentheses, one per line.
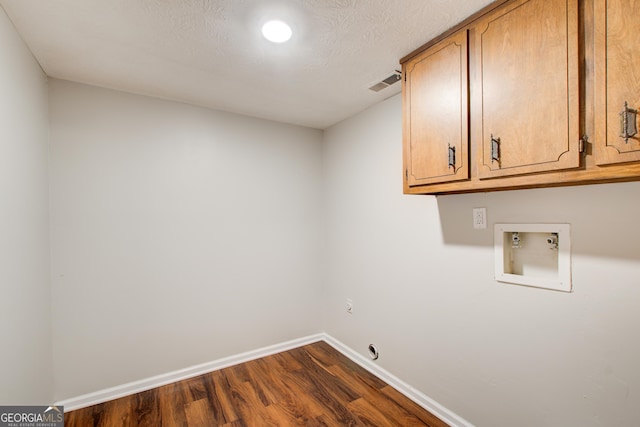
(386, 82)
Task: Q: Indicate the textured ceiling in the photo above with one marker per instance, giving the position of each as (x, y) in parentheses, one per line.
(211, 52)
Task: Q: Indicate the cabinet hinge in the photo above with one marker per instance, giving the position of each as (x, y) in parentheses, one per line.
(406, 174)
(582, 144)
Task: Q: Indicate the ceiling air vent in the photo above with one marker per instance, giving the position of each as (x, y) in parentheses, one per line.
(386, 82)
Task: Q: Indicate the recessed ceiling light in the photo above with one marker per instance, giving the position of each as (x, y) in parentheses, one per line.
(276, 31)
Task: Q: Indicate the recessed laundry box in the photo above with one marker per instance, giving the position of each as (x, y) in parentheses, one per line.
(537, 255)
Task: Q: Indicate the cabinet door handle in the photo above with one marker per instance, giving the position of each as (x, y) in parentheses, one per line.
(495, 149)
(628, 128)
(452, 156)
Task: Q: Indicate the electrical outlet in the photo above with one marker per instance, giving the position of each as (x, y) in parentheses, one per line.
(480, 218)
(349, 306)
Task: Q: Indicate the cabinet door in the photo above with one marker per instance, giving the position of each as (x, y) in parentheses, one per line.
(436, 111)
(525, 88)
(617, 75)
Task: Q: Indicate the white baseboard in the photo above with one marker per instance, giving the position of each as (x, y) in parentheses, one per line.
(417, 396)
(116, 392)
(420, 398)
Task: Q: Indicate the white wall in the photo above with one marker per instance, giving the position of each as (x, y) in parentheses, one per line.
(179, 235)
(421, 279)
(25, 333)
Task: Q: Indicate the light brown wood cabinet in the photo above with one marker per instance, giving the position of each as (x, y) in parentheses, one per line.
(436, 113)
(617, 49)
(548, 80)
(526, 80)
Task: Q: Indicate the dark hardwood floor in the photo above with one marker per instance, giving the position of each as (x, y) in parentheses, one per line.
(308, 386)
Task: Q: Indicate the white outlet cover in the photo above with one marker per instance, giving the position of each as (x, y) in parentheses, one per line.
(349, 306)
(480, 218)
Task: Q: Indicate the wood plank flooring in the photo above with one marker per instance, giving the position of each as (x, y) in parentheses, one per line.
(309, 386)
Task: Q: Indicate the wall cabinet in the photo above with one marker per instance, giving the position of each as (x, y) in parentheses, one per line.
(526, 80)
(547, 82)
(617, 47)
(436, 113)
